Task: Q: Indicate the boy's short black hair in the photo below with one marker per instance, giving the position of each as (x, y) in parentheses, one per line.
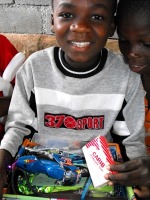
(133, 7)
(113, 1)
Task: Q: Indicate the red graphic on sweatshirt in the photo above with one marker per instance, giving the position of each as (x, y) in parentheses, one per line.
(70, 122)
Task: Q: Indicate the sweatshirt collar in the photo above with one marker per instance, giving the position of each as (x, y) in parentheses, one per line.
(65, 68)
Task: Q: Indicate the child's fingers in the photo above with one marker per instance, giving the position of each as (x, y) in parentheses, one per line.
(142, 192)
(110, 183)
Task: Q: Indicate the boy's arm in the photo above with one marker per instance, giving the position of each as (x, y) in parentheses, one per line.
(134, 114)
(20, 116)
(4, 105)
(5, 160)
(130, 128)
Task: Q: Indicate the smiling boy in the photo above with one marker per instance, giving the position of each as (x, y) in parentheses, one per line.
(80, 90)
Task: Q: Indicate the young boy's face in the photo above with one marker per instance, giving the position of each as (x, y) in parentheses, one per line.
(134, 41)
(82, 28)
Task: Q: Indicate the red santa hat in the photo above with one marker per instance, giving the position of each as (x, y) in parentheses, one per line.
(7, 52)
(10, 61)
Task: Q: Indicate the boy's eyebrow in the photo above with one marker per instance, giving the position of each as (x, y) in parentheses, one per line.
(99, 5)
(67, 5)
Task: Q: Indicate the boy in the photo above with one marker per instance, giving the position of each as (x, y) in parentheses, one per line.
(78, 91)
(133, 27)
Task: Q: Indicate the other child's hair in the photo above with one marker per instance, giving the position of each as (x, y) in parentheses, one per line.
(132, 8)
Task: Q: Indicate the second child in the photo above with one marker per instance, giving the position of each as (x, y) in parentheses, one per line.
(133, 27)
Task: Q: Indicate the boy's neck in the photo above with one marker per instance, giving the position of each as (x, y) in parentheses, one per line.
(81, 65)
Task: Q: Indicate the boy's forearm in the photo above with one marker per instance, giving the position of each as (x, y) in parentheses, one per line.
(5, 158)
(4, 105)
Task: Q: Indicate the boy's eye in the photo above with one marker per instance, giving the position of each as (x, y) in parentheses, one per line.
(146, 44)
(66, 15)
(97, 17)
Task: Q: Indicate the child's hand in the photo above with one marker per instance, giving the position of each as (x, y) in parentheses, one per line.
(3, 177)
(2, 182)
(142, 192)
(133, 172)
(5, 160)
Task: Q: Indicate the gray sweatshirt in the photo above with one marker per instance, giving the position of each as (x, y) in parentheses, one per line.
(73, 107)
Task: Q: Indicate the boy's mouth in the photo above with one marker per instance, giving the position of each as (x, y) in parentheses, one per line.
(137, 68)
(80, 44)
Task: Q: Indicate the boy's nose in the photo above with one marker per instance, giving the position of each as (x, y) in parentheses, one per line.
(80, 27)
(134, 52)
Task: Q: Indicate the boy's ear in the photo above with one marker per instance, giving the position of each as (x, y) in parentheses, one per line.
(112, 28)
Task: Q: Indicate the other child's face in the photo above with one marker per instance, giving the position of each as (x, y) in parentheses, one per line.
(134, 42)
(82, 28)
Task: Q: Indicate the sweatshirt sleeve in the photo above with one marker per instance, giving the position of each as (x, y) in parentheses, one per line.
(134, 114)
(130, 127)
(20, 115)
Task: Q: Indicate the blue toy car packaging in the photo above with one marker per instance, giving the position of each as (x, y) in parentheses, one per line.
(40, 170)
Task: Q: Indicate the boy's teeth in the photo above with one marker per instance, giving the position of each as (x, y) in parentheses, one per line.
(80, 44)
(136, 66)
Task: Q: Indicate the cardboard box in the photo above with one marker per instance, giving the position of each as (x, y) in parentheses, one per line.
(98, 156)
